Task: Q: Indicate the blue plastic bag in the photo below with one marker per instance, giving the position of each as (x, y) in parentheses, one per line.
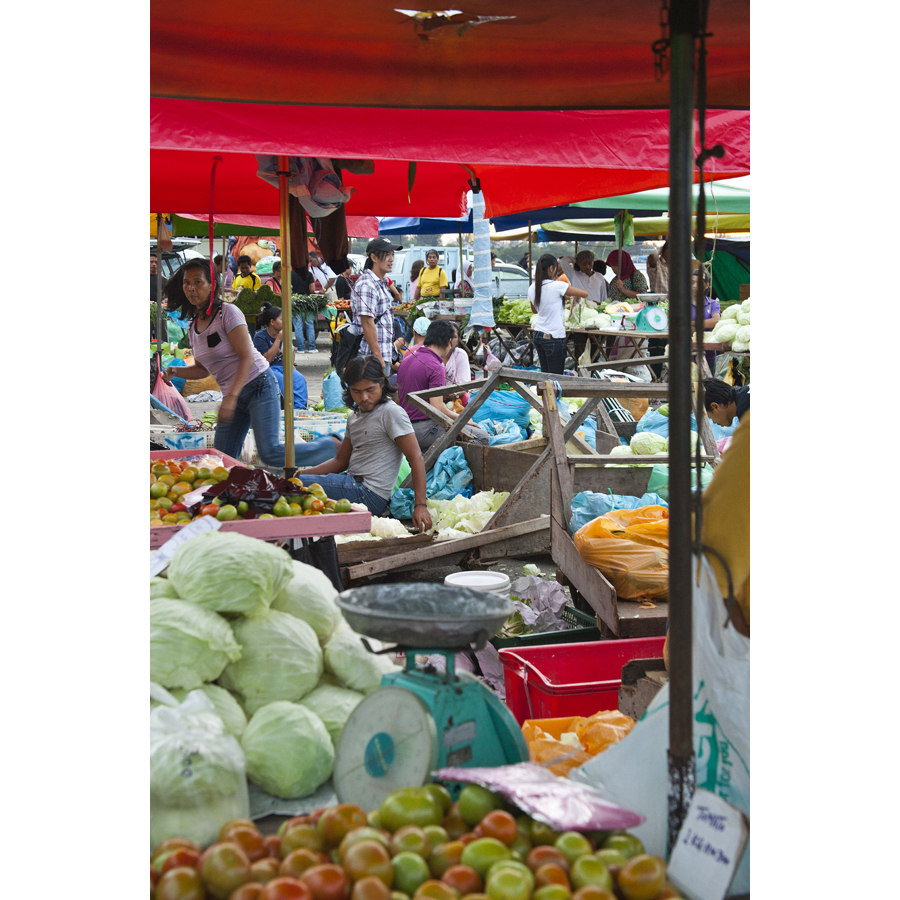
(659, 424)
(587, 506)
(504, 432)
(449, 477)
(332, 392)
(504, 405)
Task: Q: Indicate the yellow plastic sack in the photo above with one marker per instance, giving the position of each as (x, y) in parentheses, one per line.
(594, 734)
(631, 548)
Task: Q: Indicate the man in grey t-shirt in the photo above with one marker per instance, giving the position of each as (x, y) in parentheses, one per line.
(379, 434)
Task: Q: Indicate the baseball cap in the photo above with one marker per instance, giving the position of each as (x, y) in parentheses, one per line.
(420, 326)
(379, 245)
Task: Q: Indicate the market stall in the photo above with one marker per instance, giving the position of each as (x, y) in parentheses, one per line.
(459, 49)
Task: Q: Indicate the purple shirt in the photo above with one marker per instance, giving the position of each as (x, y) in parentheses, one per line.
(221, 360)
(421, 369)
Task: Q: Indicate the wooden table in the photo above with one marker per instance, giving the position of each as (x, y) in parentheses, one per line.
(602, 340)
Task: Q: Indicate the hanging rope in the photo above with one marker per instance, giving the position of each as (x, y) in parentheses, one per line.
(212, 262)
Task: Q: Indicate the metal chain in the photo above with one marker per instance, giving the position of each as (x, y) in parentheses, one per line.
(661, 47)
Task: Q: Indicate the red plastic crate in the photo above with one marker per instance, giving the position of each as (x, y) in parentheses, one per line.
(551, 681)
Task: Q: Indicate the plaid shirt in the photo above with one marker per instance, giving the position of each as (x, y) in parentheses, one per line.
(371, 297)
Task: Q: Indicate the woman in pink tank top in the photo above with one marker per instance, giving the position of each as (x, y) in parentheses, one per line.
(221, 344)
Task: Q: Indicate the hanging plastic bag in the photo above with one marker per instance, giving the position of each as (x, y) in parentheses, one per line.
(332, 392)
(480, 353)
(198, 773)
(634, 772)
(170, 398)
(491, 362)
(631, 548)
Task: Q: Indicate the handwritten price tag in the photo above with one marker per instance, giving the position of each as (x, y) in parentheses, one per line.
(709, 847)
(163, 556)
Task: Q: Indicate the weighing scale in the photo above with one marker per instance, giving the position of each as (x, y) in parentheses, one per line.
(651, 317)
(422, 719)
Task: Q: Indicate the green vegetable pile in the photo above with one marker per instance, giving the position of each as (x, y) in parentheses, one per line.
(515, 312)
(250, 302)
(307, 303)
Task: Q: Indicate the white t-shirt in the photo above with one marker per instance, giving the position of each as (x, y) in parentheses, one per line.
(594, 284)
(550, 318)
(322, 274)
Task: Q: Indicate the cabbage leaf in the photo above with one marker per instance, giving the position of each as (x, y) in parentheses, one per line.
(352, 664)
(644, 442)
(333, 705)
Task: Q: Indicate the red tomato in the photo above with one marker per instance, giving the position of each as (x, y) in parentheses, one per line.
(171, 844)
(249, 838)
(273, 845)
(463, 879)
(180, 856)
(249, 891)
(177, 508)
(338, 821)
(180, 884)
(327, 882)
(500, 825)
(298, 861)
(224, 867)
(285, 889)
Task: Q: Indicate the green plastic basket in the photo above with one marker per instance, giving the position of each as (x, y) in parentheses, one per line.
(579, 627)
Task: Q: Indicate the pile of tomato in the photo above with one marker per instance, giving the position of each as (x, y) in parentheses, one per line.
(418, 846)
(171, 479)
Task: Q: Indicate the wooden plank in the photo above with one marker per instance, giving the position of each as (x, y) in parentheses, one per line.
(625, 363)
(587, 387)
(589, 581)
(558, 450)
(633, 460)
(476, 384)
(449, 436)
(443, 548)
(503, 513)
(744, 292)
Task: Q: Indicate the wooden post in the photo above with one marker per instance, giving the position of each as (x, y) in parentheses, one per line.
(287, 340)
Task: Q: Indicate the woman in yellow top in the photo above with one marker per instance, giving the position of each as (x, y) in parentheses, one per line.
(433, 281)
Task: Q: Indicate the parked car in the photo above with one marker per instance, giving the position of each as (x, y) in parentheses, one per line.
(170, 260)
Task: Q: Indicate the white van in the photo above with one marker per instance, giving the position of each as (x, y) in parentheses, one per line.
(509, 280)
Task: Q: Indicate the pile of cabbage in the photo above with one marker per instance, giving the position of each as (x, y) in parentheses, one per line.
(261, 636)
(734, 327)
(516, 312)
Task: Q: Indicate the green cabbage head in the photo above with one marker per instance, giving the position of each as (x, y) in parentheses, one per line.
(333, 706)
(355, 667)
(229, 572)
(644, 442)
(280, 660)
(189, 645)
(289, 753)
(309, 596)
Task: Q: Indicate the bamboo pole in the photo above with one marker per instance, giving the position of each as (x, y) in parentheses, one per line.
(287, 339)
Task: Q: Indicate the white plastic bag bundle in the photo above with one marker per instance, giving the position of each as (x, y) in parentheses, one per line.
(634, 772)
(198, 772)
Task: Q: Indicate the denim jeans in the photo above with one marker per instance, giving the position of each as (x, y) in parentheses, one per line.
(301, 392)
(259, 405)
(345, 486)
(551, 353)
(305, 332)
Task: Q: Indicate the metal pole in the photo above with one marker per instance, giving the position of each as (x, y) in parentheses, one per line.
(460, 268)
(159, 277)
(682, 19)
(530, 276)
(287, 339)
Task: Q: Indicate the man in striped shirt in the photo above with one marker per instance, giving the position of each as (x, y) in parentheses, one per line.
(371, 303)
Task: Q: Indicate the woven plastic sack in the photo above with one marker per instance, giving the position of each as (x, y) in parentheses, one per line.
(170, 398)
(631, 548)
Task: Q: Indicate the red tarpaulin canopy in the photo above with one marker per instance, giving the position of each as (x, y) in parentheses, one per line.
(581, 54)
(525, 159)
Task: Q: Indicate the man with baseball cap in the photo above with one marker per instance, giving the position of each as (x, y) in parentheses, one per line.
(371, 303)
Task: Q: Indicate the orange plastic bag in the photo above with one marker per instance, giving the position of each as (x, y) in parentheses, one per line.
(594, 735)
(631, 548)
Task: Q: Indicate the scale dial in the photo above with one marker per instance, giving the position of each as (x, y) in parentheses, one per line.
(656, 318)
(390, 741)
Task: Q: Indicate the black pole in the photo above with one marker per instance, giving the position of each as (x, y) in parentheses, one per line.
(682, 19)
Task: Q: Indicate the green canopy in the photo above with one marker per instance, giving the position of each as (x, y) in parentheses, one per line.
(718, 196)
(183, 227)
